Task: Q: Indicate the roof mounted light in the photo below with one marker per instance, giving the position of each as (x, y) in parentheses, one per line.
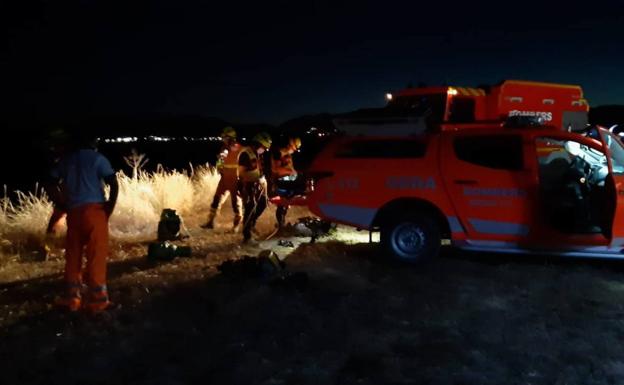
(451, 91)
(388, 96)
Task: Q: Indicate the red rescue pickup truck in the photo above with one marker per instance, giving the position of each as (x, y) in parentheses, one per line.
(481, 186)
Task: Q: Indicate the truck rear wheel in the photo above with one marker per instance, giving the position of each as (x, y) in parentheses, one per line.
(410, 238)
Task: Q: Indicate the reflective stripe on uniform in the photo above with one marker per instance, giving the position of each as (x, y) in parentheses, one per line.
(253, 174)
(231, 159)
(250, 176)
(98, 289)
(99, 299)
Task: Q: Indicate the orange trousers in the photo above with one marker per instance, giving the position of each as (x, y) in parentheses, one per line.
(228, 182)
(87, 230)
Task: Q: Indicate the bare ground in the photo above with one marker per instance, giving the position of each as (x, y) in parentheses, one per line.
(359, 319)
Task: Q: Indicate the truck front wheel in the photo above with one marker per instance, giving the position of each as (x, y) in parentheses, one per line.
(411, 239)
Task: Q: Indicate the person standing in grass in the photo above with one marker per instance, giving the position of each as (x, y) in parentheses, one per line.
(227, 166)
(78, 185)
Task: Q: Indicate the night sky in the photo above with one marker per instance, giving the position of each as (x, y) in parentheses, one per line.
(268, 61)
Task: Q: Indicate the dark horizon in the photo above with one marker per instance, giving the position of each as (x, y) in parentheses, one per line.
(252, 62)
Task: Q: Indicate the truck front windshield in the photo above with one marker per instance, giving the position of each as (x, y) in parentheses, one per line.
(431, 106)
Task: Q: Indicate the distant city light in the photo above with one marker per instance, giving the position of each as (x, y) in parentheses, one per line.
(128, 139)
(154, 138)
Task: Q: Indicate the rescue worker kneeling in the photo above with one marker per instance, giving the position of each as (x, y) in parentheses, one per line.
(253, 185)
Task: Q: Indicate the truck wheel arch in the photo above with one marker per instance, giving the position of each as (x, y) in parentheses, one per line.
(411, 230)
(402, 205)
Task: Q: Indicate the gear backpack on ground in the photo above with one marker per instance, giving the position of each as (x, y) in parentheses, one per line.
(169, 225)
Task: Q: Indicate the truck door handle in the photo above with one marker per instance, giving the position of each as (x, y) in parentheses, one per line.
(465, 181)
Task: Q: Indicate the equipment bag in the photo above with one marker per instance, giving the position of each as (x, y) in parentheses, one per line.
(169, 225)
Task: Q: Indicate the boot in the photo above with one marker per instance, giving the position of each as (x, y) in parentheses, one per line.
(246, 235)
(211, 217)
(97, 300)
(280, 216)
(72, 298)
(68, 303)
(237, 222)
(254, 231)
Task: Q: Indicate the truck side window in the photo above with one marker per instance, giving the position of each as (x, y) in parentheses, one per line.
(462, 110)
(493, 151)
(617, 153)
(394, 148)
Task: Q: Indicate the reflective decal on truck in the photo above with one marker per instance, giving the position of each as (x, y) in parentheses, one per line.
(410, 183)
(498, 227)
(489, 203)
(454, 224)
(348, 184)
(495, 192)
(546, 115)
(360, 216)
(351, 184)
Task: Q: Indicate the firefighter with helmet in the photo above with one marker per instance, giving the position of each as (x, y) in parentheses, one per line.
(283, 169)
(253, 185)
(227, 166)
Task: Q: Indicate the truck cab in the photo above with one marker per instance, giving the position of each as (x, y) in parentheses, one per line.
(481, 186)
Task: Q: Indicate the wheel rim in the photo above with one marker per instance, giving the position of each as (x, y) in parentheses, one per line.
(408, 239)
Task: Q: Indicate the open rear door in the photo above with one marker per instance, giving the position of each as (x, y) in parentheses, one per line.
(615, 186)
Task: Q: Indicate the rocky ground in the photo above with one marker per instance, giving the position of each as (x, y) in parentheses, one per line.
(344, 314)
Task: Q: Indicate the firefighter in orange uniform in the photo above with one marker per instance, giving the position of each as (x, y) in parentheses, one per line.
(282, 167)
(78, 187)
(253, 185)
(227, 165)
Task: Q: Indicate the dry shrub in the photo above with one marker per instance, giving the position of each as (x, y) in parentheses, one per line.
(23, 222)
(135, 215)
(205, 180)
(141, 200)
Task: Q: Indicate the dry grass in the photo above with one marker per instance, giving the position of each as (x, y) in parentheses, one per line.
(141, 200)
(23, 222)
